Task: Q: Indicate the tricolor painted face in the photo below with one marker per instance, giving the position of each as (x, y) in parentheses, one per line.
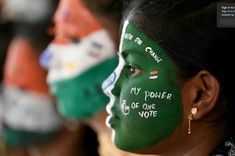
(29, 111)
(76, 72)
(145, 105)
(66, 61)
(28, 117)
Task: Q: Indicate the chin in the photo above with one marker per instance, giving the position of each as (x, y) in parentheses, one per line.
(123, 145)
(137, 149)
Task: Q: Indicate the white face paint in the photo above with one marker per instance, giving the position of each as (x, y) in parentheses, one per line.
(26, 10)
(1, 110)
(29, 111)
(69, 60)
(108, 88)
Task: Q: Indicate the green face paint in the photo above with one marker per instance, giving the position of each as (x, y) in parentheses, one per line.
(145, 105)
(17, 138)
(82, 97)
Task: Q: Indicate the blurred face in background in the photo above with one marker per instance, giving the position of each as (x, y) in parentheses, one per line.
(78, 60)
(29, 115)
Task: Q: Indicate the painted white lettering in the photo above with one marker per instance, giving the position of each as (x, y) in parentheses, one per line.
(163, 95)
(128, 36)
(146, 95)
(148, 107)
(153, 54)
(138, 41)
(152, 94)
(135, 90)
(169, 96)
(147, 114)
(159, 95)
(134, 105)
(138, 90)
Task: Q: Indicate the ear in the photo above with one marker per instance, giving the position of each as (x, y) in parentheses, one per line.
(203, 90)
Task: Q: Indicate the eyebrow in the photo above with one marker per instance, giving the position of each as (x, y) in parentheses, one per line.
(125, 53)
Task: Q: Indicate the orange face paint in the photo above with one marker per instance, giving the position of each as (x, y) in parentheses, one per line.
(22, 67)
(73, 20)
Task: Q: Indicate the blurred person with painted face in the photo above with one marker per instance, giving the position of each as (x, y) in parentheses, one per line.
(28, 114)
(21, 91)
(82, 53)
(31, 125)
(13, 23)
(71, 54)
(5, 37)
(86, 45)
(25, 81)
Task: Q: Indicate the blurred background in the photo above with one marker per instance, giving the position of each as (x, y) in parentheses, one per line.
(54, 56)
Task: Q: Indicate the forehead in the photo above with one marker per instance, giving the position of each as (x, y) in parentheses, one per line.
(133, 39)
(72, 18)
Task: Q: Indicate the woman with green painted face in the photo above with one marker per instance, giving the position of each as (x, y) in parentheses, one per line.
(171, 92)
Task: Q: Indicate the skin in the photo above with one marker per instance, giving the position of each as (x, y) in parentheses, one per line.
(145, 133)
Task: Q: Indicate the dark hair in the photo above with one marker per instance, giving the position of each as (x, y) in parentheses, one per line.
(187, 31)
(37, 32)
(109, 13)
(110, 8)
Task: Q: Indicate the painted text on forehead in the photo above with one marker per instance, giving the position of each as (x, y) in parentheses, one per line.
(134, 39)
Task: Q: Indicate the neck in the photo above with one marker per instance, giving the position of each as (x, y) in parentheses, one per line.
(97, 123)
(204, 143)
(203, 139)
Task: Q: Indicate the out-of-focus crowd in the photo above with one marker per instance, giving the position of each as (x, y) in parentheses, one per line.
(54, 56)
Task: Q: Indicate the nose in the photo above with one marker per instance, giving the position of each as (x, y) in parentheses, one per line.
(109, 82)
(111, 86)
(116, 88)
(53, 88)
(45, 58)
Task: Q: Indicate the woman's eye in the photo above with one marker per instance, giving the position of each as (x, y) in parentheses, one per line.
(134, 71)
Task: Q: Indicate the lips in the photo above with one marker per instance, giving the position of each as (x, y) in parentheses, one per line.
(109, 121)
(112, 121)
(112, 118)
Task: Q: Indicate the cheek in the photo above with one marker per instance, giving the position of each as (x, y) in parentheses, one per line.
(54, 89)
(134, 108)
(150, 106)
(56, 71)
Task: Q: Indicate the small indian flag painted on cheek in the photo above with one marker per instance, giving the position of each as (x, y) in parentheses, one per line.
(153, 75)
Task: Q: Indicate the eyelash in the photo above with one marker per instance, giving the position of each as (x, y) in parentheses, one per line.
(133, 71)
